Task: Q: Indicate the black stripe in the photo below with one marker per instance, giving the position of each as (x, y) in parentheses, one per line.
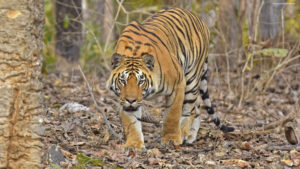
(209, 110)
(186, 115)
(173, 24)
(217, 121)
(134, 26)
(153, 34)
(191, 79)
(126, 36)
(204, 94)
(144, 53)
(128, 47)
(204, 77)
(226, 129)
(193, 90)
(189, 101)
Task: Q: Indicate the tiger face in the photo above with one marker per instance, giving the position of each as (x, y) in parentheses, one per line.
(131, 80)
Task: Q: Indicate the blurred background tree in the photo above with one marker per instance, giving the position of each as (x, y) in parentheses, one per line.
(68, 15)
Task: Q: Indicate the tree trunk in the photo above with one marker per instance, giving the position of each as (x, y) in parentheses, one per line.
(230, 31)
(68, 29)
(270, 18)
(106, 16)
(20, 86)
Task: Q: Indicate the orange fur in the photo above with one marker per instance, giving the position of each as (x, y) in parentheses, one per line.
(155, 52)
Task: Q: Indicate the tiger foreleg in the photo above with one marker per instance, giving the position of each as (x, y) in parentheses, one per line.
(171, 128)
(133, 129)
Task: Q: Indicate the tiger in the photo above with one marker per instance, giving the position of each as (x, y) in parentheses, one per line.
(165, 55)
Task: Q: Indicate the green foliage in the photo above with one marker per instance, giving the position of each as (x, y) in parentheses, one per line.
(85, 161)
(292, 24)
(55, 166)
(276, 52)
(293, 27)
(245, 34)
(48, 51)
(66, 21)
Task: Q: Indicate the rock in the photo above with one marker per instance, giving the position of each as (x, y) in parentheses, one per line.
(55, 155)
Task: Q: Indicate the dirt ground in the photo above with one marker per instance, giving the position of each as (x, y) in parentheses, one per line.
(76, 135)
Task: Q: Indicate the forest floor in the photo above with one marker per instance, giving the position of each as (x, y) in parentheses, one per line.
(77, 137)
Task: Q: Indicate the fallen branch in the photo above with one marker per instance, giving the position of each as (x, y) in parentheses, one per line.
(97, 107)
(284, 148)
(274, 127)
(289, 117)
(249, 134)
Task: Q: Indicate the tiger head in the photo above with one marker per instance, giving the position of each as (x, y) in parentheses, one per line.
(131, 79)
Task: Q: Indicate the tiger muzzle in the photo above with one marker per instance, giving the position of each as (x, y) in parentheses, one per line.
(130, 105)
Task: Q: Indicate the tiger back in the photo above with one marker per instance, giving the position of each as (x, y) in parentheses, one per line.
(166, 55)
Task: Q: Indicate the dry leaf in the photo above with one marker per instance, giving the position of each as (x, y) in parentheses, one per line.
(77, 143)
(220, 154)
(237, 162)
(67, 154)
(245, 146)
(154, 152)
(296, 162)
(106, 135)
(288, 162)
(210, 163)
(153, 161)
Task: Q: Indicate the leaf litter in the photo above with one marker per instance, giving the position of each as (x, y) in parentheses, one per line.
(74, 124)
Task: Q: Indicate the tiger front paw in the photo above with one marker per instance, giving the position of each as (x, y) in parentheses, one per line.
(174, 138)
(134, 144)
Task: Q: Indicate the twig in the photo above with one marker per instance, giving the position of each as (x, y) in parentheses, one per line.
(284, 148)
(257, 21)
(114, 21)
(277, 69)
(275, 124)
(97, 107)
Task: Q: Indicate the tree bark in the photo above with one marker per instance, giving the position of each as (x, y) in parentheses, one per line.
(106, 16)
(270, 18)
(230, 32)
(68, 29)
(20, 86)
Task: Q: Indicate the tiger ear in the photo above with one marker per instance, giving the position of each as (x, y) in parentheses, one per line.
(149, 61)
(115, 60)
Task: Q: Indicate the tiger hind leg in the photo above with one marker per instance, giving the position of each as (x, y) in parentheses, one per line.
(207, 102)
(190, 118)
(193, 132)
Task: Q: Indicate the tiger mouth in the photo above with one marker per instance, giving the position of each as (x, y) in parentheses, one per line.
(130, 108)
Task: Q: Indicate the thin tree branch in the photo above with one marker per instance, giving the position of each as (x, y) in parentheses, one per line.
(97, 107)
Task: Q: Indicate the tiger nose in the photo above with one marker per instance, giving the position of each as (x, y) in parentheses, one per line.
(131, 100)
